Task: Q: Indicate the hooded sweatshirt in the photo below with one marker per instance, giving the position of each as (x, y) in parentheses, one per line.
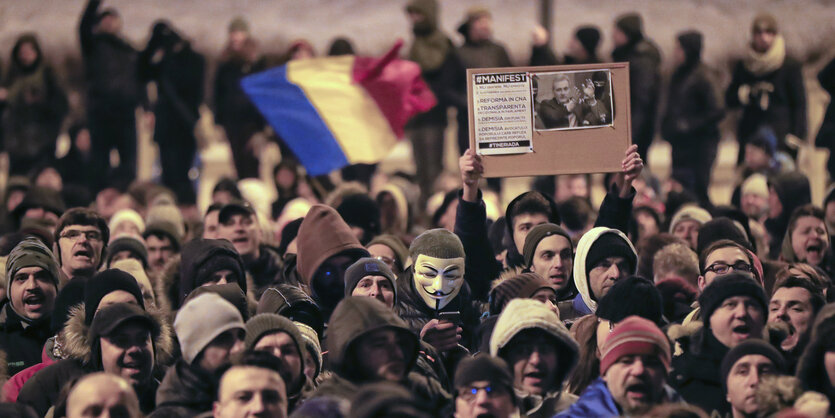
(323, 234)
(200, 254)
(585, 302)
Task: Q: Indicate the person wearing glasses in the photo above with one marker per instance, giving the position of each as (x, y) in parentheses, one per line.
(484, 387)
(80, 241)
(723, 257)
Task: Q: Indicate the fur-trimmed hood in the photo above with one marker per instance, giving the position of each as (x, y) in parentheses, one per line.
(77, 344)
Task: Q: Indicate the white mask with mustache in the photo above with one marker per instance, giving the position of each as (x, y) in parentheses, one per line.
(438, 280)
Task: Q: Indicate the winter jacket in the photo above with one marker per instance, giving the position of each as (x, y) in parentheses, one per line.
(22, 342)
(692, 116)
(110, 67)
(41, 392)
(35, 106)
(696, 371)
(232, 108)
(265, 270)
(644, 86)
(776, 99)
(185, 391)
(355, 317)
(597, 401)
(12, 386)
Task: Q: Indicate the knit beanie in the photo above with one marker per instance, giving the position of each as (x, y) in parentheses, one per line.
(589, 37)
(610, 245)
(39, 197)
(730, 285)
(292, 302)
(756, 184)
(522, 286)
(135, 269)
(167, 220)
(718, 229)
(749, 347)
(130, 243)
(631, 25)
(104, 282)
(69, 296)
(397, 247)
(367, 266)
(483, 367)
(438, 243)
(633, 296)
(690, 213)
(288, 234)
(201, 258)
(30, 252)
(635, 336)
(219, 261)
(537, 234)
(361, 211)
(311, 343)
(201, 320)
(126, 215)
(230, 292)
(265, 324)
(238, 24)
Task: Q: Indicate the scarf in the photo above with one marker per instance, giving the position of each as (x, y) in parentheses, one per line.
(768, 61)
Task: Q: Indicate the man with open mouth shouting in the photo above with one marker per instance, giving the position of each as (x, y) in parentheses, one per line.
(634, 362)
(80, 241)
(32, 284)
(734, 309)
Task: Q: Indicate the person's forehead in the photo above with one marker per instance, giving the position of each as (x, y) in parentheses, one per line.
(277, 337)
(554, 243)
(753, 360)
(534, 218)
(77, 227)
(808, 221)
(29, 270)
(375, 278)
(239, 378)
(787, 294)
(728, 254)
(157, 239)
(688, 223)
(380, 248)
(549, 291)
(617, 259)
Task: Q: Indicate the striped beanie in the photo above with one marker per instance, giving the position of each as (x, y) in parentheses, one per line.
(635, 336)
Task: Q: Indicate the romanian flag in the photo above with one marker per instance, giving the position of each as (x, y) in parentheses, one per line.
(336, 111)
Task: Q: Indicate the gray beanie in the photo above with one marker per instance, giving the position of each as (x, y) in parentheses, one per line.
(438, 243)
(201, 320)
(30, 252)
(264, 324)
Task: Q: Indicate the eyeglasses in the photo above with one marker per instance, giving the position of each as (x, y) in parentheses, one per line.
(470, 394)
(722, 268)
(74, 235)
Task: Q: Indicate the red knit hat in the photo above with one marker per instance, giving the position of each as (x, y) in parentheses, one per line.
(634, 336)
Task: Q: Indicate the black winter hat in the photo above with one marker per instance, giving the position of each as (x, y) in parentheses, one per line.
(792, 188)
(610, 245)
(71, 294)
(631, 25)
(631, 296)
(288, 234)
(292, 302)
(202, 257)
(39, 197)
(748, 347)
(483, 367)
(718, 229)
(367, 266)
(537, 234)
(729, 285)
(361, 211)
(691, 43)
(104, 282)
(589, 37)
(127, 243)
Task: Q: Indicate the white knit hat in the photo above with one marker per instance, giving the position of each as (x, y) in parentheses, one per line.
(690, 212)
(522, 314)
(201, 320)
(756, 184)
(126, 215)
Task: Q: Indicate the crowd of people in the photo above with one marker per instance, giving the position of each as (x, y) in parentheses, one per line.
(372, 294)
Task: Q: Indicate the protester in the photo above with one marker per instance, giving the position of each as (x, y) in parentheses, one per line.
(114, 92)
(484, 386)
(742, 370)
(102, 392)
(768, 85)
(32, 284)
(812, 368)
(251, 387)
(794, 302)
(164, 233)
(634, 363)
(541, 354)
(549, 252)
